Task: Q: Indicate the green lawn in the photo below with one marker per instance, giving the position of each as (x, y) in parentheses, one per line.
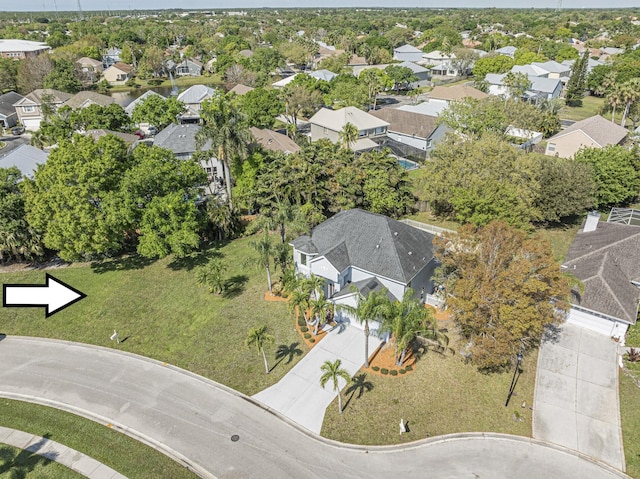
(630, 417)
(591, 105)
(633, 336)
(163, 314)
(122, 453)
(213, 80)
(16, 463)
(443, 395)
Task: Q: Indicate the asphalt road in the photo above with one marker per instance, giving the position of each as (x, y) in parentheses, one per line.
(194, 419)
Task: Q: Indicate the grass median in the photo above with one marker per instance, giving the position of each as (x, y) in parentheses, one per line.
(118, 451)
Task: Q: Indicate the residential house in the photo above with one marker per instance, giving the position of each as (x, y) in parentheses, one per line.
(328, 124)
(284, 81)
(29, 108)
(324, 51)
(591, 64)
(508, 51)
(323, 74)
(8, 114)
(274, 141)
(98, 133)
(111, 57)
(118, 73)
(554, 70)
(430, 107)
(90, 68)
(407, 53)
(20, 49)
(422, 74)
(530, 70)
(181, 140)
(240, 89)
(440, 63)
(193, 97)
(456, 93)
(357, 61)
(130, 107)
(186, 67)
(593, 132)
(410, 134)
(541, 88)
(605, 257)
(26, 158)
(85, 98)
(356, 252)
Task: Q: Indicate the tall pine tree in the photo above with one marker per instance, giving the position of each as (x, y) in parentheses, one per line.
(577, 81)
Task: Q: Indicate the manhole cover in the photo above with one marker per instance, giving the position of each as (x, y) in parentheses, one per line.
(235, 438)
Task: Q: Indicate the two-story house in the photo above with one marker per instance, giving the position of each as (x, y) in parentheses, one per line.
(30, 108)
(327, 123)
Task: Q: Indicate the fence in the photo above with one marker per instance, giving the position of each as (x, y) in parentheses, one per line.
(435, 230)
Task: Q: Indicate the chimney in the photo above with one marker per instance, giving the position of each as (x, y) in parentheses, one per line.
(591, 222)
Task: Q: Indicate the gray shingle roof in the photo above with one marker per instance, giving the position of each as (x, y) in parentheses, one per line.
(26, 158)
(606, 261)
(365, 287)
(79, 99)
(196, 94)
(181, 139)
(599, 129)
(7, 101)
(407, 49)
(303, 243)
(374, 243)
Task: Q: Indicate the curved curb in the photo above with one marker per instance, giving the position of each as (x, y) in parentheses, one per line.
(200, 471)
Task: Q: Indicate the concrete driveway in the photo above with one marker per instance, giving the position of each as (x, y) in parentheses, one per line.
(299, 395)
(576, 400)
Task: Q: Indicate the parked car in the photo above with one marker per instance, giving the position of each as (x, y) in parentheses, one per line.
(17, 130)
(152, 130)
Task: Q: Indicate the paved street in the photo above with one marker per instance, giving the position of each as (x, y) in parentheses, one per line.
(299, 395)
(576, 403)
(194, 419)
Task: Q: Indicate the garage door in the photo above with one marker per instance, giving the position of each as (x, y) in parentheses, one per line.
(593, 323)
(31, 124)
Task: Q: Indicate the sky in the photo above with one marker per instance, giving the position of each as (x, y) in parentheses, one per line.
(62, 5)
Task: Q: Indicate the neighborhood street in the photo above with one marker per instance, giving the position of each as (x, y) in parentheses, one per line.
(196, 420)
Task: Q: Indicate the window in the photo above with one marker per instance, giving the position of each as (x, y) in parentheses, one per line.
(303, 259)
(429, 143)
(362, 133)
(380, 130)
(28, 109)
(551, 147)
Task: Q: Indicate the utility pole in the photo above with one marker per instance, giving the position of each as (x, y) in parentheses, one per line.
(80, 9)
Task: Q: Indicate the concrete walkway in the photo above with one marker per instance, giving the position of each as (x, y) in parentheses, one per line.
(576, 400)
(299, 395)
(54, 451)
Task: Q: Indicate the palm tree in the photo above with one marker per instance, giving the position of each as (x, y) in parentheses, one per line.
(630, 93)
(320, 308)
(348, 135)
(614, 99)
(299, 298)
(260, 337)
(265, 251)
(226, 128)
(331, 371)
(211, 275)
(369, 308)
(314, 284)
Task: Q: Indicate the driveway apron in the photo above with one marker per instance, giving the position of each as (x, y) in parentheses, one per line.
(299, 395)
(576, 398)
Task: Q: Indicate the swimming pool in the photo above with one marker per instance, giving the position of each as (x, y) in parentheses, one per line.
(408, 164)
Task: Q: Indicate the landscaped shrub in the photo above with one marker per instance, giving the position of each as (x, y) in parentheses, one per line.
(306, 335)
(394, 372)
(376, 368)
(312, 340)
(301, 322)
(409, 368)
(402, 371)
(384, 371)
(304, 329)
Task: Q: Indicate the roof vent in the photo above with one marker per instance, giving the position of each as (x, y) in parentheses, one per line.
(395, 233)
(591, 222)
(377, 246)
(410, 253)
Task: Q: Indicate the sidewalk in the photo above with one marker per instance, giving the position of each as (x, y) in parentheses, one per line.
(59, 453)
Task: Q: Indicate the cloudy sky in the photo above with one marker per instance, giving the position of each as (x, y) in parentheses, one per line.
(50, 5)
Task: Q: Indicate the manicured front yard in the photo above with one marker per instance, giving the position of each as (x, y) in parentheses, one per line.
(443, 395)
(163, 314)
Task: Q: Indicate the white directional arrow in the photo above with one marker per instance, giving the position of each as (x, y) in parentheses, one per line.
(55, 295)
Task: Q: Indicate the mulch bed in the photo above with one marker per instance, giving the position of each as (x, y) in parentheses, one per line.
(384, 360)
(272, 297)
(312, 340)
